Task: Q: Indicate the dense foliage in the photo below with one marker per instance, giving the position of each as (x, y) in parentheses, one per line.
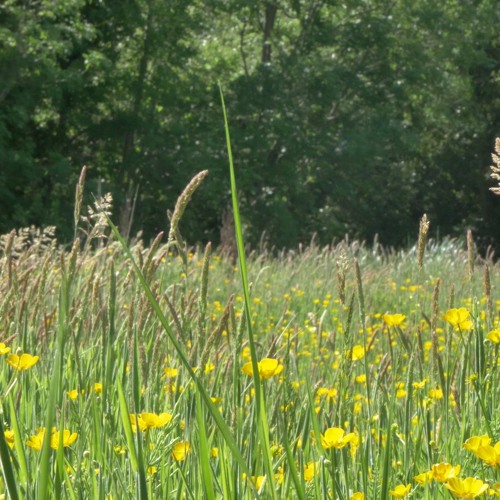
(352, 117)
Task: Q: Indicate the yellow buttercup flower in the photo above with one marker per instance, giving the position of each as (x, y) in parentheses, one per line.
(36, 441)
(268, 367)
(171, 372)
(475, 442)
(68, 438)
(444, 471)
(146, 421)
(4, 349)
(393, 319)
(23, 362)
(490, 455)
(459, 319)
(466, 488)
(9, 437)
(357, 496)
(309, 471)
(357, 353)
(181, 450)
(98, 388)
(335, 437)
(73, 394)
(400, 491)
(494, 336)
(424, 477)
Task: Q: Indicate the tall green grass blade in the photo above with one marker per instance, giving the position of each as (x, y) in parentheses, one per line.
(262, 425)
(204, 451)
(19, 445)
(127, 426)
(214, 412)
(55, 393)
(136, 391)
(7, 470)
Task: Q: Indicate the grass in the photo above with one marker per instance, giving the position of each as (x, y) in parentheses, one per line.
(96, 325)
(180, 375)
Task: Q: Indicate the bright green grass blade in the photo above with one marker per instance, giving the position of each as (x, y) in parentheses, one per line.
(136, 390)
(262, 426)
(299, 491)
(204, 451)
(54, 394)
(221, 424)
(127, 426)
(19, 444)
(7, 470)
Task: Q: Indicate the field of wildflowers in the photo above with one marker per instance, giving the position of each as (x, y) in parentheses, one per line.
(377, 377)
(347, 372)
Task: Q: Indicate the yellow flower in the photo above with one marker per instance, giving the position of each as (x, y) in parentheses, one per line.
(36, 442)
(357, 353)
(152, 469)
(4, 349)
(459, 319)
(146, 421)
(181, 450)
(444, 471)
(475, 442)
(209, 367)
(98, 388)
(279, 477)
(436, 393)
(400, 491)
(335, 437)
(329, 393)
(466, 488)
(419, 385)
(23, 362)
(309, 471)
(268, 367)
(493, 336)
(68, 439)
(393, 319)
(424, 477)
(119, 449)
(257, 480)
(214, 452)
(73, 394)
(357, 496)
(171, 372)
(9, 437)
(490, 455)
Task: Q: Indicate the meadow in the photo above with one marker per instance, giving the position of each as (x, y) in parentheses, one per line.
(134, 370)
(376, 375)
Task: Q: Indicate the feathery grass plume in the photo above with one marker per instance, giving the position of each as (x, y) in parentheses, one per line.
(495, 169)
(487, 294)
(73, 257)
(470, 253)
(182, 203)
(342, 265)
(422, 239)
(150, 264)
(361, 297)
(79, 198)
(96, 219)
